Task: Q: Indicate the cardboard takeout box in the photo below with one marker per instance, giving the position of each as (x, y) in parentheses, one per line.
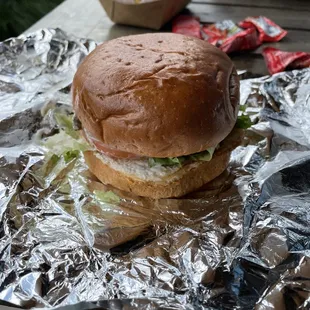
(151, 14)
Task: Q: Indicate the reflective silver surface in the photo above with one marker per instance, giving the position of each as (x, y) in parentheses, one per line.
(241, 243)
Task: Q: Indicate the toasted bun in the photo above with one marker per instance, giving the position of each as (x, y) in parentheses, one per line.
(157, 95)
(185, 180)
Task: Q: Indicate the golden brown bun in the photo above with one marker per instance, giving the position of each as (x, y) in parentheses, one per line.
(157, 95)
(187, 179)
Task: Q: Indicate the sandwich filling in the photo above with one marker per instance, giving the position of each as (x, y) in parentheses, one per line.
(144, 168)
(139, 168)
(153, 169)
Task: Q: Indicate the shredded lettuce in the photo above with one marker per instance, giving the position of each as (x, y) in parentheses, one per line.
(169, 161)
(50, 163)
(108, 196)
(242, 108)
(68, 144)
(65, 146)
(243, 120)
(54, 164)
(65, 122)
(172, 161)
(70, 155)
(62, 142)
(54, 159)
(203, 156)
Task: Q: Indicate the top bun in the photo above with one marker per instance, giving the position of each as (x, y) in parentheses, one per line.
(157, 95)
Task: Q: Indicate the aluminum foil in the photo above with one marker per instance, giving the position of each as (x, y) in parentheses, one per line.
(242, 242)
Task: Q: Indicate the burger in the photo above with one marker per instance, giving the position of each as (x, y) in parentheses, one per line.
(159, 111)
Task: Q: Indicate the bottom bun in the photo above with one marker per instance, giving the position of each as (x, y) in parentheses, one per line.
(188, 178)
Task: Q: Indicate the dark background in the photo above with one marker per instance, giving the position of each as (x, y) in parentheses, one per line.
(18, 15)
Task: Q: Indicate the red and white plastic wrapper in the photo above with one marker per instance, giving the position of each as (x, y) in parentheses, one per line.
(228, 36)
(278, 60)
(268, 30)
(247, 35)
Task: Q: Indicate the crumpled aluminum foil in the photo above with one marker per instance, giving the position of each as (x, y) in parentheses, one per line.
(241, 243)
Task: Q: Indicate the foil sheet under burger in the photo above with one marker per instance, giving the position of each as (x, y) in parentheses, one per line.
(241, 243)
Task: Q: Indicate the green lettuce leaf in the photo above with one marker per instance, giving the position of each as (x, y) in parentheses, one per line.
(63, 147)
(172, 161)
(62, 142)
(169, 161)
(70, 155)
(56, 163)
(65, 122)
(243, 121)
(242, 108)
(108, 196)
(51, 161)
(203, 156)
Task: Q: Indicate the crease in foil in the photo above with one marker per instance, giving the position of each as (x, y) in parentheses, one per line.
(240, 243)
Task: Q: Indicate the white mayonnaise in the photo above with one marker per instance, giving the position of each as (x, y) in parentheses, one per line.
(138, 168)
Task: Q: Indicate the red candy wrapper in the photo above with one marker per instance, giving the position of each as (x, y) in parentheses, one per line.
(268, 30)
(187, 25)
(244, 40)
(230, 38)
(218, 32)
(278, 60)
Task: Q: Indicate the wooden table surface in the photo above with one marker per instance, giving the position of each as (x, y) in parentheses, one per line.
(86, 18)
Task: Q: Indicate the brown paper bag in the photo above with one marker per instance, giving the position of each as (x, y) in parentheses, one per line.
(149, 14)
